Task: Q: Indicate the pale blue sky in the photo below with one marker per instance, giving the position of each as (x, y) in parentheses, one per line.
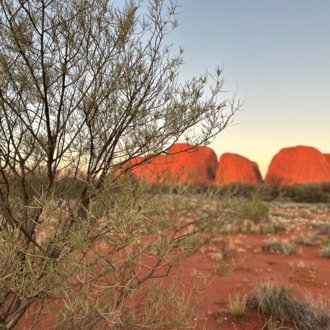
(276, 57)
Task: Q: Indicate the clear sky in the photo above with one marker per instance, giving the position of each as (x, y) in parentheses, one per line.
(276, 58)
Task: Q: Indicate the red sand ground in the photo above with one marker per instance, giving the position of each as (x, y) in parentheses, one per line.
(244, 267)
(295, 165)
(235, 168)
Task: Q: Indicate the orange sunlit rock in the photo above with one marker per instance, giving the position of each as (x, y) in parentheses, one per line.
(183, 163)
(153, 170)
(127, 167)
(296, 165)
(327, 157)
(234, 168)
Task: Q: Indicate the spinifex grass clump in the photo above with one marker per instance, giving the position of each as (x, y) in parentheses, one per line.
(277, 302)
(254, 209)
(308, 239)
(237, 304)
(325, 251)
(278, 246)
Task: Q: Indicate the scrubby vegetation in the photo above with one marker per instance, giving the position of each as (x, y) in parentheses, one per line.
(237, 304)
(325, 251)
(277, 302)
(278, 246)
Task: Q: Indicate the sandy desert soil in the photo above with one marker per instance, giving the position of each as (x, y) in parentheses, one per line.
(245, 265)
(236, 263)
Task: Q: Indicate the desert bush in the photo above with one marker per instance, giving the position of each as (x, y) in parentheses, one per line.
(308, 239)
(131, 237)
(239, 190)
(301, 193)
(323, 228)
(278, 246)
(254, 209)
(246, 208)
(297, 265)
(306, 193)
(276, 301)
(325, 251)
(86, 87)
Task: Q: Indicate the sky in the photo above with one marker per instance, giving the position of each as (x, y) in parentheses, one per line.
(276, 59)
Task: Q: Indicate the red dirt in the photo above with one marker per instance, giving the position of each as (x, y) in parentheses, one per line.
(295, 165)
(235, 168)
(244, 267)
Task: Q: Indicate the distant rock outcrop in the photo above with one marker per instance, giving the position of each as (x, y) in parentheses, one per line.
(234, 168)
(327, 157)
(297, 165)
(183, 163)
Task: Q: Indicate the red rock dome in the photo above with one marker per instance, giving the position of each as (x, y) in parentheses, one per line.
(327, 157)
(295, 165)
(235, 168)
(191, 163)
(153, 170)
(182, 163)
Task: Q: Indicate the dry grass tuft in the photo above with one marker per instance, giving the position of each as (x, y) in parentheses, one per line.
(278, 246)
(276, 302)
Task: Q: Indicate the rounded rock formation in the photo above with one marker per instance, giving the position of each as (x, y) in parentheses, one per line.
(235, 168)
(183, 163)
(327, 157)
(298, 165)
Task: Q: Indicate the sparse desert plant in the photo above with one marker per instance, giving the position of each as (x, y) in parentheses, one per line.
(278, 246)
(270, 227)
(324, 228)
(297, 265)
(276, 301)
(325, 251)
(238, 209)
(306, 193)
(254, 209)
(162, 307)
(272, 324)
(308, 239)
(273, 300)
(222, 267)
(237, 304)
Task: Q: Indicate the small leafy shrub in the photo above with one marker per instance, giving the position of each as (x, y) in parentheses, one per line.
(278, 246)
(254, 209)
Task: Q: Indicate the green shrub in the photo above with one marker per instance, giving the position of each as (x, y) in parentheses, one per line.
(306, 193)
(254, 209)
